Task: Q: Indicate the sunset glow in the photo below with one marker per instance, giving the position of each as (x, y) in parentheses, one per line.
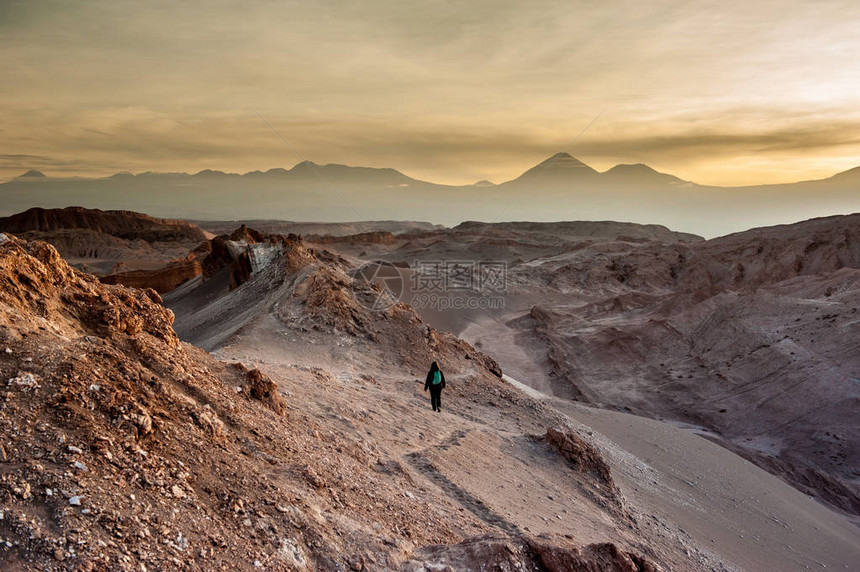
(722, 93)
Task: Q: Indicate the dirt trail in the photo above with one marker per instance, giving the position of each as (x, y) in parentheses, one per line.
(471, 503)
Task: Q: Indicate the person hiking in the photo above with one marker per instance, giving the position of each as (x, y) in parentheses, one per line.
(435, 383)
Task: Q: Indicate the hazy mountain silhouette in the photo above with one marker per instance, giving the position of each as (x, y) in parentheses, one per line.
(640, 174)
(850, 177)
(32, 173)
(559, 188)
(561, 167)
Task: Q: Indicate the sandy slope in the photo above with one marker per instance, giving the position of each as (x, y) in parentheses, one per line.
(695, 504)
(746, 515)
(477, 457)
(721, 500)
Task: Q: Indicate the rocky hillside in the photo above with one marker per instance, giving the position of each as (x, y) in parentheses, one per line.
(579, 230)
(235, 253)
(311, 289)
(122, 448)
(334, 229)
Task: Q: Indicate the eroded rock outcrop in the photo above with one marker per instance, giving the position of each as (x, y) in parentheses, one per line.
(544, 553)
(581, 456)
(122, 224)
(260, 387)
(133, 248)
(374, 237)
(162, 280)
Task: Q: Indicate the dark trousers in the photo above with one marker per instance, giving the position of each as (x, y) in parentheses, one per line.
(436, 398)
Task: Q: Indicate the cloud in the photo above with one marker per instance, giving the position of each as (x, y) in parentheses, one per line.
(452, 92)
(726, 143)
(448, 151)
(15, 164)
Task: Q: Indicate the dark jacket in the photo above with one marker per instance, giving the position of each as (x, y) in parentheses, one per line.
(428, 383)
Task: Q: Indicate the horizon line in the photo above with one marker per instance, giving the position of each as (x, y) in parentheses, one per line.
(42, 174)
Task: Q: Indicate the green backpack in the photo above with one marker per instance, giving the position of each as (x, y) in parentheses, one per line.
(437, 377)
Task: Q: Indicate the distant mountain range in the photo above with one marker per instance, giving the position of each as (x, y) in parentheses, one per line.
(559, 188)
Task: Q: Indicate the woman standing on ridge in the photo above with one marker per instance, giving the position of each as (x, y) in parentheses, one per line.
(435, 383)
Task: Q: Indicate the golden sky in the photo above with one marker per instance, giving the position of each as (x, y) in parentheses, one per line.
(719, 92)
